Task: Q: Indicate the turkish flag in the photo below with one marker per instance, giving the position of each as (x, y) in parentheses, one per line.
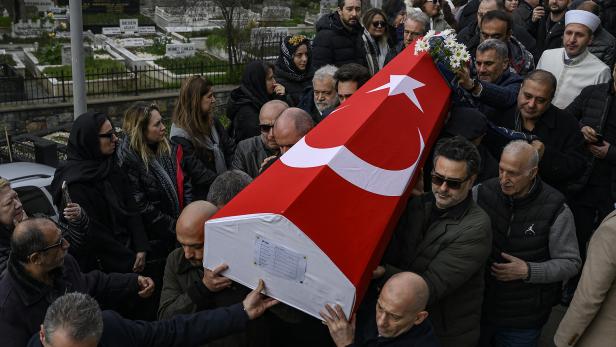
(315, 224)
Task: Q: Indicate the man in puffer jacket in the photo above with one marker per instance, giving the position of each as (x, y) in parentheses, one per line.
(338, 40)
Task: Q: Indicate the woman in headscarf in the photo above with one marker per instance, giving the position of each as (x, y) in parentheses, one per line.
(294, 66)
(116, 241)
(375, 36)
(145, 155)
(201, 144)
(257, 87)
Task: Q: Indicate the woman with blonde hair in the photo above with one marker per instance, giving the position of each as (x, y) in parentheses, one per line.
(145, 155)
(375, 38)
(201, 143)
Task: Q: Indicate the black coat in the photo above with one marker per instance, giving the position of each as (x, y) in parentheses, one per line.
(596, 107)
(24, 301)
(468, 17)
(608, 15)
(185, 330)
(547, 38)
(336, 45)
(293, 88)
(198, 163)
(564, 159)
(158, 211)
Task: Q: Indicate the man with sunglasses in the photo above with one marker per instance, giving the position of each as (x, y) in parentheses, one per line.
(251, 152)
(534, 249)
(445, 237)
(40, 270)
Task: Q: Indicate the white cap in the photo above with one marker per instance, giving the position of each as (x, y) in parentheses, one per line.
(586, 18)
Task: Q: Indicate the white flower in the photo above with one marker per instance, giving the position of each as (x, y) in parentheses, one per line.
(421, 46)
(451, 43)
(429, 35)
(454, 62)
(447, 33)
(464, 56)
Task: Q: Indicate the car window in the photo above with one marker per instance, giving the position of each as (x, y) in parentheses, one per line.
(35, 201)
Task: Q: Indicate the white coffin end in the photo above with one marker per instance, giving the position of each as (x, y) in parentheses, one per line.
(233, 240)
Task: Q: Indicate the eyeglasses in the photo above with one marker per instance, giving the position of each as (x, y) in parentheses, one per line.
(379, 24)
(451, 183)
(265, 128)
(108, 135)
(57, 244)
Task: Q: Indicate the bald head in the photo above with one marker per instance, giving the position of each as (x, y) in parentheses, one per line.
(401, 304)
(407, 289)
(291, 126)
(38, 243)
(190, 232)
(270, 111)
(193, 217)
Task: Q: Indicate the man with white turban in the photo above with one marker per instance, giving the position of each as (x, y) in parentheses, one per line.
(573, 65)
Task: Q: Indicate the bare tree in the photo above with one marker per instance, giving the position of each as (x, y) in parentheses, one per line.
(232, 14)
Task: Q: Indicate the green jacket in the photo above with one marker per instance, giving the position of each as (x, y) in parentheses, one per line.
(450, 254)
(184, 292)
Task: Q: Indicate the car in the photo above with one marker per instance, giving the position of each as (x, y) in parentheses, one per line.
(31, 181)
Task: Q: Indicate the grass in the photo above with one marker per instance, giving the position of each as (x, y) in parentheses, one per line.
(7, 59)
(49, 54)
(5, 22)
(95, 69)
(188, 64)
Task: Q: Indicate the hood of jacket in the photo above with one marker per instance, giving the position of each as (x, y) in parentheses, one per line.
(333, 22)
(179, 132)
(237, 99)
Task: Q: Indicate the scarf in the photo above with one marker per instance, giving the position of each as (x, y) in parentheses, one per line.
(211, 143)
(285, 65)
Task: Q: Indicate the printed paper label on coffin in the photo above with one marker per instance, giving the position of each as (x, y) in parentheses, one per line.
(335, 196)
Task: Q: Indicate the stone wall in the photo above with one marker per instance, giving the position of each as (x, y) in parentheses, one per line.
(33, 118)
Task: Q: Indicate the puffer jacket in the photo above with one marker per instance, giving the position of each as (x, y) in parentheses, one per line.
(593, 107)
(158, 212)
(547, 38)
(603, 46)
(335, 45)
(198, 163)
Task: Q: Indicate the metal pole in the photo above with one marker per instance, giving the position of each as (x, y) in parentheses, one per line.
(78, 63)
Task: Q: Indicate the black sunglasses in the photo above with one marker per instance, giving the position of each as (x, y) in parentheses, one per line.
(265, 128)
(451, 183)
(57, 244)
(379, 24)
(108, 135)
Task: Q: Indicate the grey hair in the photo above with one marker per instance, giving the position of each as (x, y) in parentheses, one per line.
(325, 72)
(226, 186)
(79, 314)
(519, 146)
(419, 17)
(499, 46)
(500, 4)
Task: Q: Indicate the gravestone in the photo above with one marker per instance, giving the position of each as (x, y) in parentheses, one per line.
(275, 13)
(180, 50)
(66, 53)
(267, 35)
(129, 26)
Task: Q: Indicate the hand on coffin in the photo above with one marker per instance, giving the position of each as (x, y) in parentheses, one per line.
(214, 281)
(267, 160)
(378, 272)
(255, 303)
(139, 262)
(515, 269)
(341, 330)
(146, 287)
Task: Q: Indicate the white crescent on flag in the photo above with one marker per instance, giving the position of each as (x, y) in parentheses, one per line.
(352, 168)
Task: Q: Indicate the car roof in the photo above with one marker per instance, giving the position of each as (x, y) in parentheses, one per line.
(27, 174)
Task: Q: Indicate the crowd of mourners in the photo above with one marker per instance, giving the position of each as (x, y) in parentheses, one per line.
(512, 215)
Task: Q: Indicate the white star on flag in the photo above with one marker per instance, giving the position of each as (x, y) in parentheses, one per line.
(402, 84)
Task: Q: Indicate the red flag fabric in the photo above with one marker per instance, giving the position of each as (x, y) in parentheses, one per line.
(315, 224)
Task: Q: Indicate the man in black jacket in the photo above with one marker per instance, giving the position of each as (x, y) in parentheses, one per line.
(533, 251)
(548, 29)
(76, 320)
(595, 108)
(560, 144)
(397, 318)
(39, 271)
(338, 40)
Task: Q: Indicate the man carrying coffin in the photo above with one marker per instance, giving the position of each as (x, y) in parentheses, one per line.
(445, 238)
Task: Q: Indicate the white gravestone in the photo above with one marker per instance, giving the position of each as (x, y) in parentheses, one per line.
(180, 50)
(129, 25)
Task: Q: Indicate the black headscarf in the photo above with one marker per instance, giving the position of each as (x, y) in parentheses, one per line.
(253, 82)
(285, 64)
(86, 163)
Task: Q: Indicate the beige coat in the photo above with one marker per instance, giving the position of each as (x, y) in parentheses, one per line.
(591, 317)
